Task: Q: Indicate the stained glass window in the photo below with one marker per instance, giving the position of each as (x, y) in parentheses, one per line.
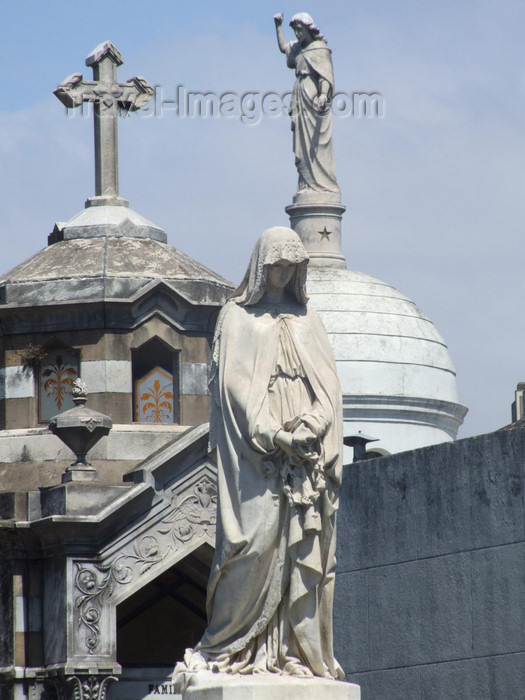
(154, 397)
(56, 374)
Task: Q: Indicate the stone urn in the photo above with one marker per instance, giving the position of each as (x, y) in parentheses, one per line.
(80, 429)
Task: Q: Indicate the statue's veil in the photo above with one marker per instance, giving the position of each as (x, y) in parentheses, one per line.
(275, 244)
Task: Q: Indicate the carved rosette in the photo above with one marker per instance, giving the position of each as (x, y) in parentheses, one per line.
(191, 516)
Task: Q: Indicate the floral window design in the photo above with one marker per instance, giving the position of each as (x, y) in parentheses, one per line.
(154, 397)
(56, 375)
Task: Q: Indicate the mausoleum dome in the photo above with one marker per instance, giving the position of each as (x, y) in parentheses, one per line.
(108, 268)
(398, 380)
(107, 300)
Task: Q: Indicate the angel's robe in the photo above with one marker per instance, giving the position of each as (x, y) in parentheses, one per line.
(312, 127)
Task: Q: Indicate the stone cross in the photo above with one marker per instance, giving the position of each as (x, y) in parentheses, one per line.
(108, 97)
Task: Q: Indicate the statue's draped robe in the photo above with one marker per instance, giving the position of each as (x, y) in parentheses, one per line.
(312, 128)
(271, 586)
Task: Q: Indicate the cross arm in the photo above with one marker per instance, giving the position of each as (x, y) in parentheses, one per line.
(74, 90)
(132, 95)
(136, 94)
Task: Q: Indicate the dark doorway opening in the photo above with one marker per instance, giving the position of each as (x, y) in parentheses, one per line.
(168, 615)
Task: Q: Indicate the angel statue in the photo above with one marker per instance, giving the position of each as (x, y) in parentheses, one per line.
(310, 107)
(277, 424)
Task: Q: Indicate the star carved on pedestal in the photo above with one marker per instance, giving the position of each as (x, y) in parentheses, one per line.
(324, 234)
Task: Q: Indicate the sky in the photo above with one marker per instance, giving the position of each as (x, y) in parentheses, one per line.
(434, 188)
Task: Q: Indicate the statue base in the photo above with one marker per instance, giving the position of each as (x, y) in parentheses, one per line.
(316, 218)
(206, 685)
(112, 200)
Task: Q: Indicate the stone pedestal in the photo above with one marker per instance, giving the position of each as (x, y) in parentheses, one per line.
(222, 686)
(316, 218)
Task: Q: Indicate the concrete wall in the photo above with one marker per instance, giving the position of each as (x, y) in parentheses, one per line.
(430, 592)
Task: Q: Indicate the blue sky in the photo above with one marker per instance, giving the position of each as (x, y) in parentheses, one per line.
(434, 190)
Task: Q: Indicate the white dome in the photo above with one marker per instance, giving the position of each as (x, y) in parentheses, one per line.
(398, 380)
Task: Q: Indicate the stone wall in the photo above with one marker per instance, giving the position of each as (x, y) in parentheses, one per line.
(431, 572)
(106, 366)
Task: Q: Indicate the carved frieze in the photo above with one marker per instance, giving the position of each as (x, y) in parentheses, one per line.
(100, 585)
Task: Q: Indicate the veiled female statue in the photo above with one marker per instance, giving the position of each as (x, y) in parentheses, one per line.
(277, 424)
(310, 107)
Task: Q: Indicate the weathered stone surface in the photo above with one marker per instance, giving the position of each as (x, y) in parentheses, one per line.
(414, 616)
(319, 225)
(32, 447)
(55, 611)
(214, 686)
(79, 269)
(448, 622)
(107, 376)
(194, 378)
(7, 505)
(78, 499)
(493, 678)
(144, 684)
(421, 503)
(420, 612)
(15, 383)
(393, 684)
(470, 494)
(96, 556)
(498, 592)
(103, 221)
(6, 613)
(193, 407)
(351, 633)
(379, 500)
(106, 356)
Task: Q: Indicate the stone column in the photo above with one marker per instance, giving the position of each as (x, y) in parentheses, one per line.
(316, 218)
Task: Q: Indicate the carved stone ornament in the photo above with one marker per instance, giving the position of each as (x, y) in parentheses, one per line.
(192, 513)
(109, 97)
(191, 517)
(80, 428)
(78, 687)
(90, 687)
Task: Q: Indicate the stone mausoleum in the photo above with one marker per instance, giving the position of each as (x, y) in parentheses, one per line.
(110, 302)
(103, 577)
